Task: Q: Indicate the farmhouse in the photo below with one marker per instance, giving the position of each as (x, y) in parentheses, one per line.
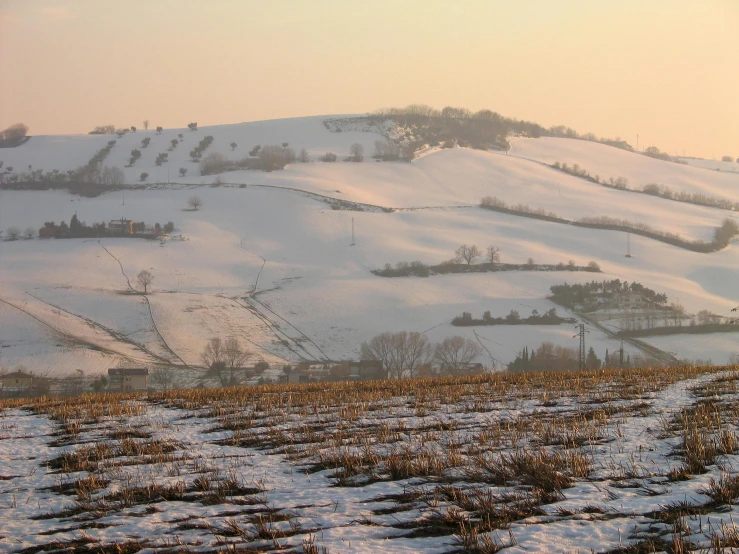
(464, 370)
(630, 301)
(120, 227)
(125, 379)
(366, 370)
(18, 381)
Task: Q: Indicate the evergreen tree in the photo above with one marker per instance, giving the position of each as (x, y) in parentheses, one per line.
(74, 224)
(592, 361)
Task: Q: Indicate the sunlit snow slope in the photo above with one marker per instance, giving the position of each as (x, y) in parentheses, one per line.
(267, 262)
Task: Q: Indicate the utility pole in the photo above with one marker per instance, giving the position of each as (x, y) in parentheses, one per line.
(581, 334)
(637, 142)
(353, 242)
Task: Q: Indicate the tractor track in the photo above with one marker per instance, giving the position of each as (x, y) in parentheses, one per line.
(306, 337)
(67, 336)
(264, 262)
(283, 337)
(148, 305)
(274, 326)
(114, 334)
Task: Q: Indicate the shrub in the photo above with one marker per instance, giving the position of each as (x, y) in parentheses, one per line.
(13, 233)
(593, 266)
(13, 135)
(357, 152)
(183, 171)
(143, 177)
(727, 159)
(723, 234)
(213, 163)
(135, 155)
(273, 157)
(159, 130)
(197, 152)
(328, 157)
(192, 126)
(103, 130)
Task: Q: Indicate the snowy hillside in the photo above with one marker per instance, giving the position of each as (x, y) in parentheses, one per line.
(268, 260)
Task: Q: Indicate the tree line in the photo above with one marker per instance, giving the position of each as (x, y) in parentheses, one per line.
(410, 354)
(586, 294)
(550, 317)
(79, 229)
(477, 129)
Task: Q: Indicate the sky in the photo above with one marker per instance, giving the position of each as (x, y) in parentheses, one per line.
(666, 70)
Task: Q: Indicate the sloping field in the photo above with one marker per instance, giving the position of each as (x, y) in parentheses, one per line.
(640, 170)
(274, 266)
(313, 280)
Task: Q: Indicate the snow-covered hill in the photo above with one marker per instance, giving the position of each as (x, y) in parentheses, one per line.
(267, 260)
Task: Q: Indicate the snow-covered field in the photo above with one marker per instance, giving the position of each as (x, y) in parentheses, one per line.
(633, 461)
(274, 266)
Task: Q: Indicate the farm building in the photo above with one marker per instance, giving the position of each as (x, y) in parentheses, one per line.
(125, 379)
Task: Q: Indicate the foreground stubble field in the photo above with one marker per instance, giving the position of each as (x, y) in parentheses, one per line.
(606, 461)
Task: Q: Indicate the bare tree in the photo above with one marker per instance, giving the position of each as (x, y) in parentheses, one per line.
(402, 354)
(13, 233)
(416, 352)
(492, 254)
(380, 348)
(233, 146)
(213, 352)
(467, 253)
(233, 354)
(303, 156)
(164, 377)
(454, 353)
(357, 152)
(146, 124)
(144, 279)
(194, 202)
(29, 233)
(224, 359)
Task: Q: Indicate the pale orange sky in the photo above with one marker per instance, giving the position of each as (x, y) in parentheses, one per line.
(665, 69)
